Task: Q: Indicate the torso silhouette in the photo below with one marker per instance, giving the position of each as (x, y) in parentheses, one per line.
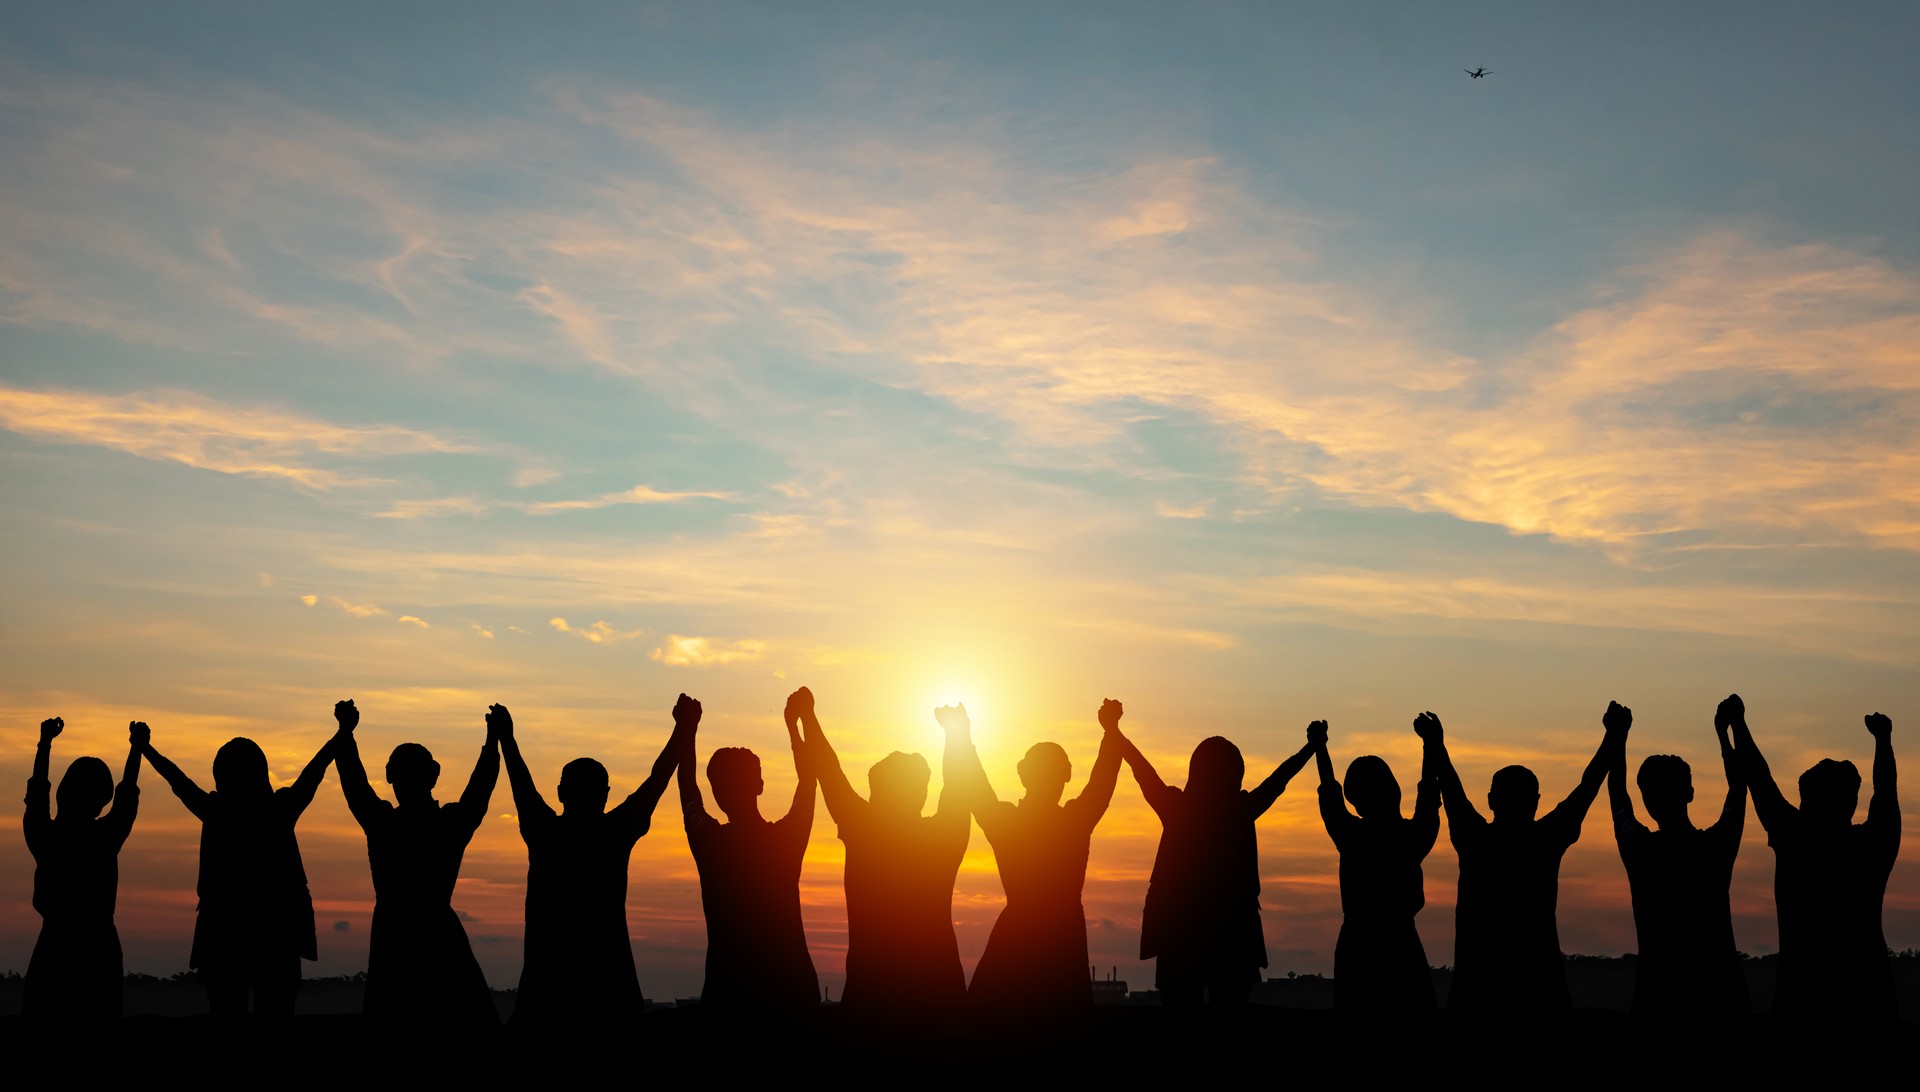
(76, 969)
(1680, 877)
(1829, 886)
(1506, 939)
(579, 957)
(254, 899)
(420, 966)
(1202, 914)
(1379, 962)
(1036, 956)
(750, 888)
(901, 952)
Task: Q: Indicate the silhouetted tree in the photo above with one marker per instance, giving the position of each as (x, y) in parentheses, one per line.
(750, 874)
(1507, 955)
(1829, 878)
(255, 919)
(75, 970)
(1201, 923)
(419, 964)
(1680, 876)
(1379, 964)
(902, 958)
(579, 956)
(1036, 958)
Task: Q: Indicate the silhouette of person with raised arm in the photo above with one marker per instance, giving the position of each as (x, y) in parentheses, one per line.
(1379, 964)
(420, 967)
(1036, 957)
(75, 971)
(1829, 877)
(1506, 953)
(1680, 876)
(902, 958)
(757, 955)
(255, 919)
(579, 956)
(1201, 923)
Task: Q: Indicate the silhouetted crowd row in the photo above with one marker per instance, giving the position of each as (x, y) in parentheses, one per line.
(1201, 922)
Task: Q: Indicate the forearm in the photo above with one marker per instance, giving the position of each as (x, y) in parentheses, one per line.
(42, 760)
(130, 773)
(519, 777)
(176, 779)
(1883, 769)
(1323, 762)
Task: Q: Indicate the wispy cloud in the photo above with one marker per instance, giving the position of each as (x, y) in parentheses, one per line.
(678, 651)
(600, 633)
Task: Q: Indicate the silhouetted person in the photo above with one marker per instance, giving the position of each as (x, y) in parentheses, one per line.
(75, 971)
(1036, 958)
(420, 967)
(902, 958)
(255, 920)
(1829, 877)
(1506, 948)
(1201, 923)
(750, 873)
(579, 956)
(1379, 964)
(1688, 967)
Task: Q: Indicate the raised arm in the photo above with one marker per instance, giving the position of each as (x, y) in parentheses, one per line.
(40, 786)
(1573, 810)
(963, 781)
(126, 797)
(1268, 791)
(1333, 805)
(1106, 765)
(1157, 794)
(527, 800)
(1426, 797)
(362, 801)
(843, 803)
(806, 775)
(300, 793)
(1883, 811)
(1438, 764)
(686, 752)
(486, 773)
(1769, 805)
(190, 794)
(1619, 800)
(1733, 811)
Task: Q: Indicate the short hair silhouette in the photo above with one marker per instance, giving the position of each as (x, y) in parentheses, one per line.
(584, 785)
(899, 782)
(1830, 791)
(735, 775)
(1515, 790)
(1045, 764)
(85, 788)
(1665, 781)
(412, 765)
(1216, 766)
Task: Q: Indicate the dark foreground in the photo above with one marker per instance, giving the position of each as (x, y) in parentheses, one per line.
(1117, 1046)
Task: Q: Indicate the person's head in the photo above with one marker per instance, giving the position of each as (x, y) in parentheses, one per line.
(1514, 794)
(1666, 786)
(1829, 792)
(1216, 768)
(583, 787)
(734, 773)
(897, 784)
(85, 790)
(1045, 771)
(240, 769)
(411, 768)
(1371, 787)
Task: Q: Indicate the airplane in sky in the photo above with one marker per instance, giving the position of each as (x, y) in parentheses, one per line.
(1476, 73)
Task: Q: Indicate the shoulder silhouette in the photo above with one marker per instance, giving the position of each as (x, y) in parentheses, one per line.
(1379, 964)
(1507, 957)
(420, 967)
(749, 868)
(255, 919)
(902, 958)
(1679, 876)
(1036, 957)
(1830, 877)
(75, 970)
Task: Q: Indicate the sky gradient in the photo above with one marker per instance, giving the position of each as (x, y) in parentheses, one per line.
(1248, 364)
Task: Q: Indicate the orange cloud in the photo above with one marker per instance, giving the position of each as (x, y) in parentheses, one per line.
(680, 651)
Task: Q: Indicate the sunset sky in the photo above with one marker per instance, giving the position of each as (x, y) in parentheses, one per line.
(1247, 363)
